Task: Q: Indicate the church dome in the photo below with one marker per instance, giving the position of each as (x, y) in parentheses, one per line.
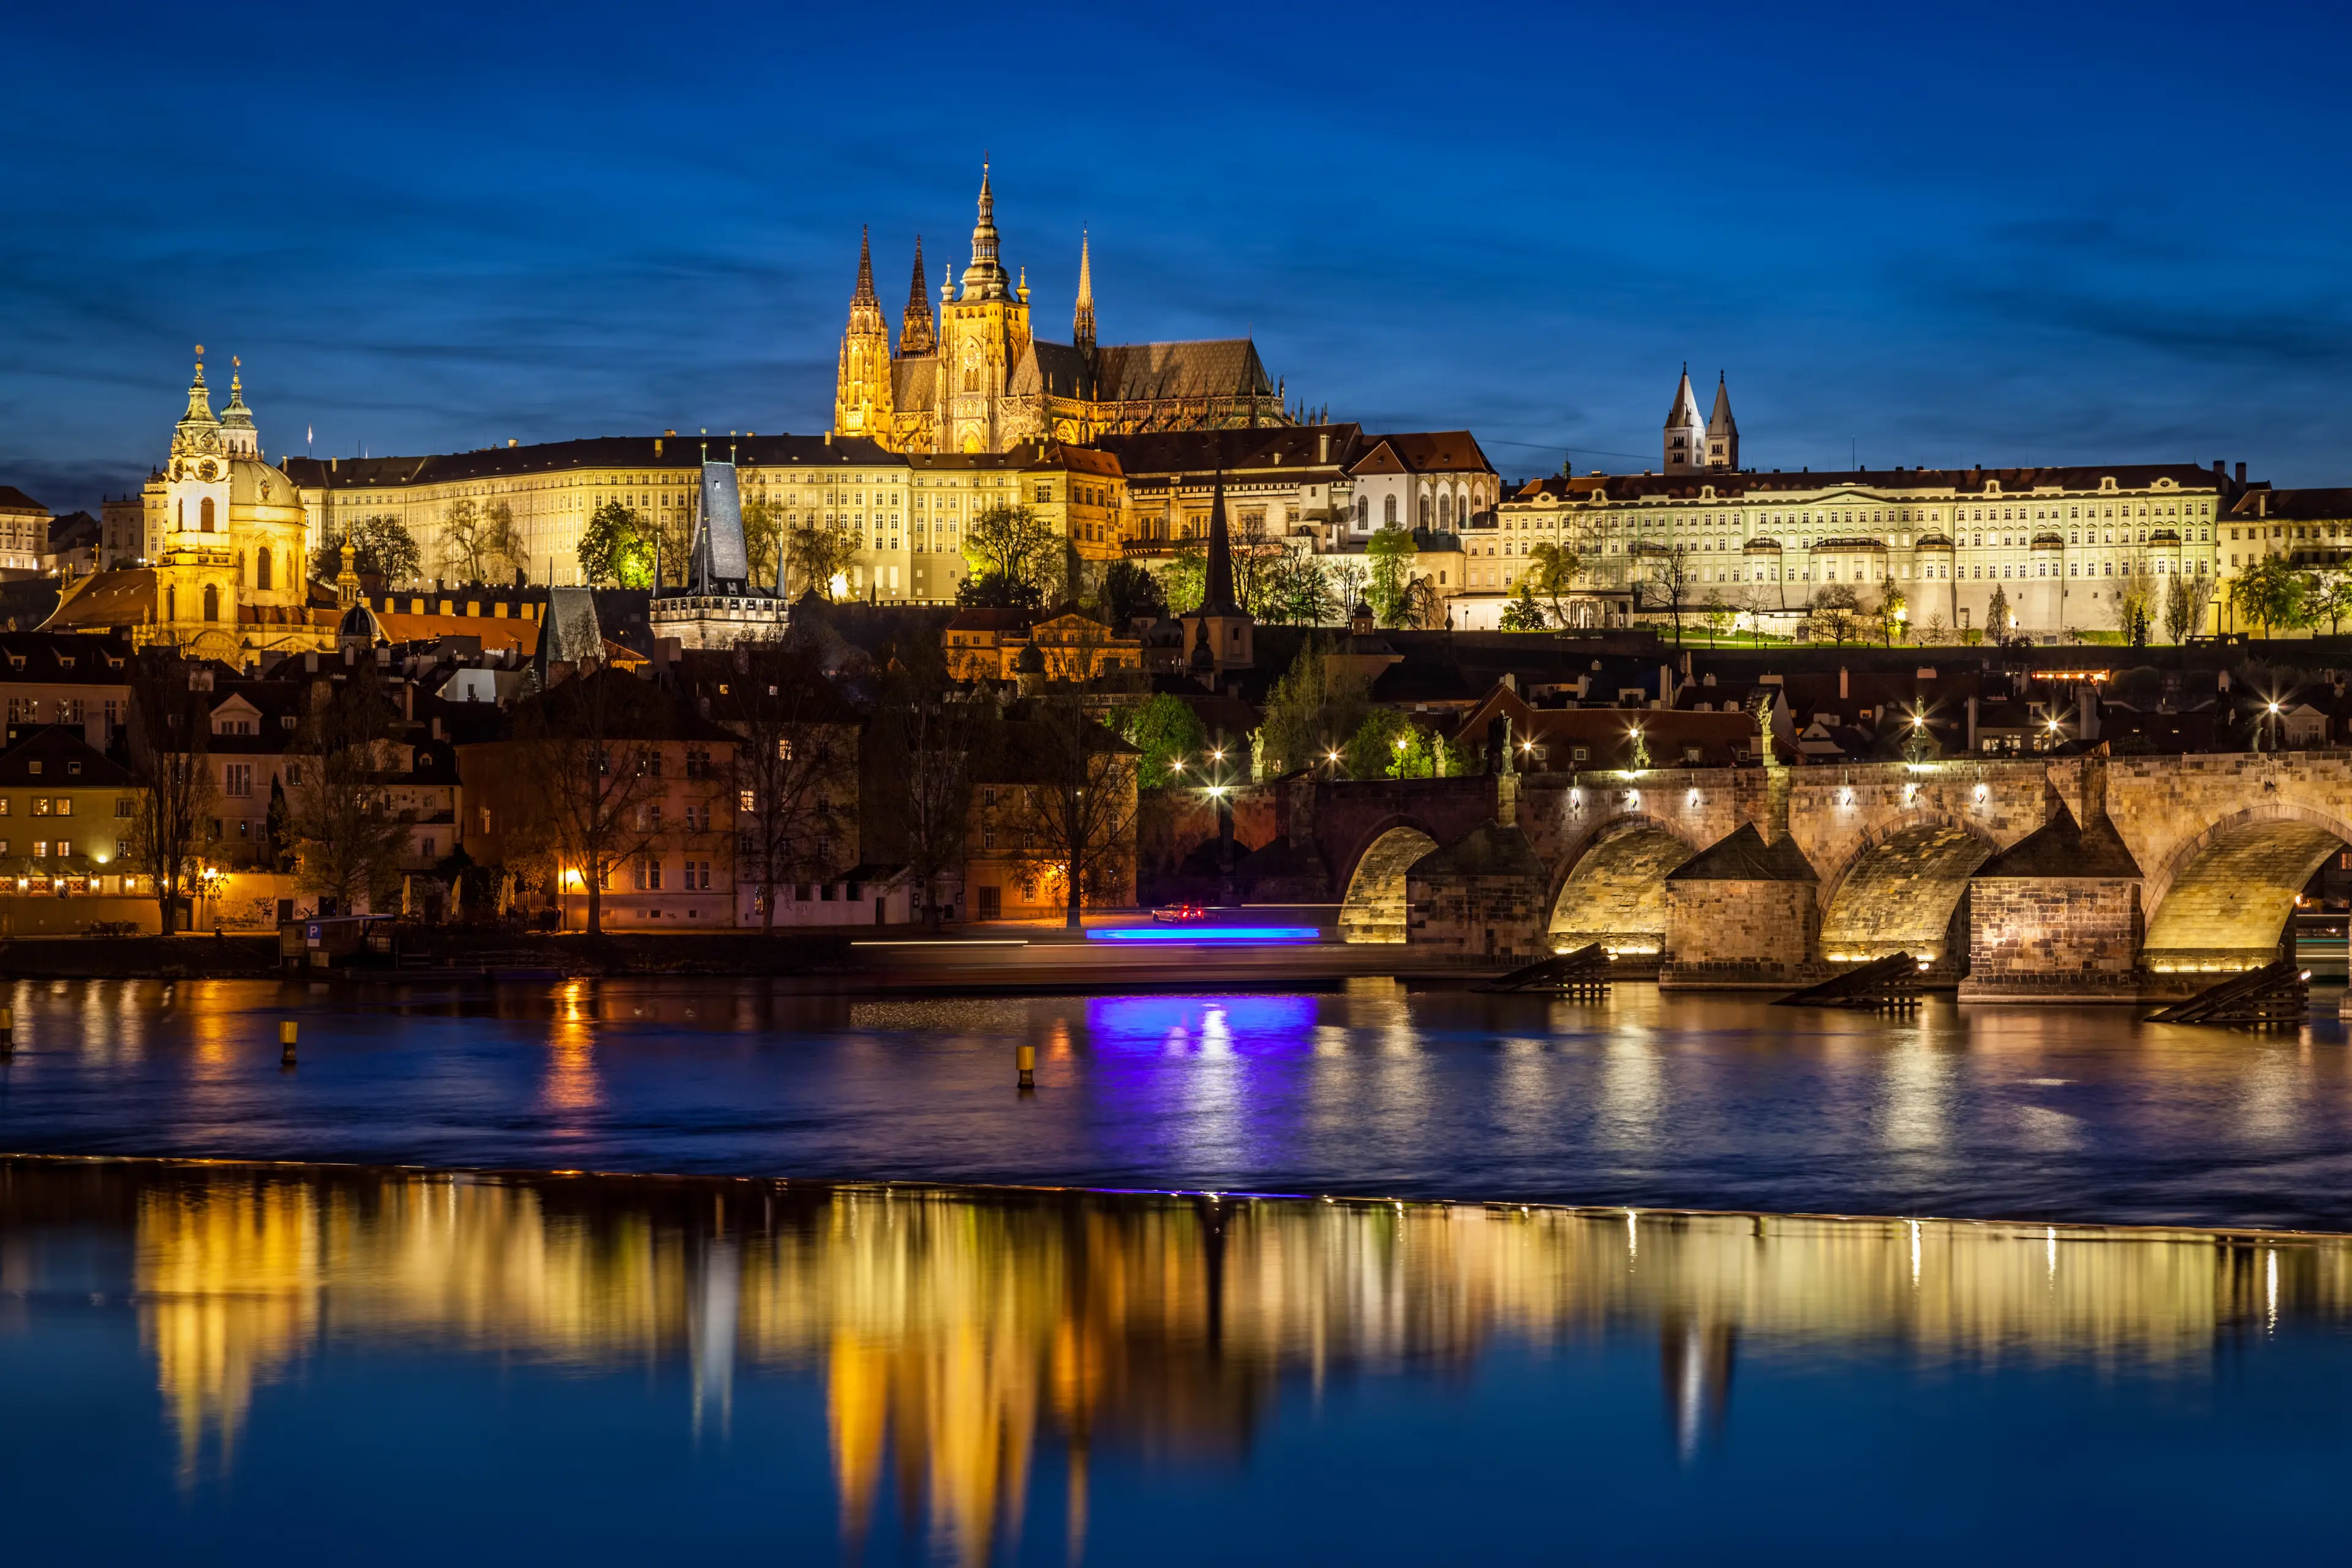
(253, 483)
(360, 625)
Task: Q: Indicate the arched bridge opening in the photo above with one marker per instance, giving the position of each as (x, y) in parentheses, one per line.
(2231, 891)
(1906, 893)
(1615, 894)
(1374, 907)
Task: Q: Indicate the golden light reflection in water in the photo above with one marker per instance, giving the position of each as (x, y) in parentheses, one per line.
(960, 1337)
(572, 1088)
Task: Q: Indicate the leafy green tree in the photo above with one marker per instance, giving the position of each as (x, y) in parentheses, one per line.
(2271, 593)
(1185, 578)
(1996, 616)
(617, 549)
(1379, 739)
(2135, 605)
(382, 546)
(1523, 613)
(2330, 598)
(1129, 592)
(995, 591)
(1391, 551)
(1311, 709)
(1015, 544)
(1166, 730)
(1552, 572)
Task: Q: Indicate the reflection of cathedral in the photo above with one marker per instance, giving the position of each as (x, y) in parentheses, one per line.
(978, 381)
(225, 574)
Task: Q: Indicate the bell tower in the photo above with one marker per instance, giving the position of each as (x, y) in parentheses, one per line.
(861, 399)
(983, 334)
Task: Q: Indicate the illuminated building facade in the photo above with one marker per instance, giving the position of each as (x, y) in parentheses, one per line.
(980, 381)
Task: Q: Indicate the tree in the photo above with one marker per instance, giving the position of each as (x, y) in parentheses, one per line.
(1552, 571)
(1295, 590)
(1129, 594)
(479, 544)
(2330, 597)
(382, 546)
(617, 549)
(170, 721)
(1389, 553)
(1348, 580)
(1717, 616)
(1185, 578)
(927, 742)
(1015, 544)
(588, 761)
(2134, 603)
(1997, 615)
(763, 536)
(1165, 732)
(1835, 610)
(348, 840)
(2270, 593)
(1892, 609)
(1073, 816)
(1523, 613)
(795, 757)
(1311, 711)
(820, 556)
(1671, 580)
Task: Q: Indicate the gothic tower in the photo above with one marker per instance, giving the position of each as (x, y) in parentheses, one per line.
(1722, 431)
(1082, 323)
(1685, 431)
(861, 400)
(983, 334)
(915, 334)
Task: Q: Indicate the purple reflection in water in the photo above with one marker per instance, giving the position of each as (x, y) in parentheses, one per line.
(1255, 1026)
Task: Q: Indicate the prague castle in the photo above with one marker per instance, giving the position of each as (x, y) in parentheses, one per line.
(977, 380)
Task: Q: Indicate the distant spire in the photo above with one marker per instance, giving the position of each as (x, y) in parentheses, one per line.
(1722, 430)
(864, 295)
(916, 334)
(1082, 323)
(1217, 599)
(238, 437)
(199, 427)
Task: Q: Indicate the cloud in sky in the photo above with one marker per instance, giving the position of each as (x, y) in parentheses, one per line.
(1905, 231)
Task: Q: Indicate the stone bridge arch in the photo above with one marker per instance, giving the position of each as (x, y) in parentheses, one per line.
(2221, 898)
(1613, 892)
(1904, 888)
(1373, 907)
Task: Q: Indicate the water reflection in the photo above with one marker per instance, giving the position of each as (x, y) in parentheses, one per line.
(961, 1338)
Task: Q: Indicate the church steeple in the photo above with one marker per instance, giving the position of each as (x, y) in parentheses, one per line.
(1217, 597)
(1686, 438)
(199, 427)
(916, 334)
(239, 437)
(984, 279)
(1082, 323)
(1722, 430)
(862, 389)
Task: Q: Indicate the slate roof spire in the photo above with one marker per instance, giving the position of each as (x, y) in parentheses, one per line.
(917, 335)
(1082, 323)
(1218, 597)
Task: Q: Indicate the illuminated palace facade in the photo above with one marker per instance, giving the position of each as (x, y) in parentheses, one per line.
(978, 380)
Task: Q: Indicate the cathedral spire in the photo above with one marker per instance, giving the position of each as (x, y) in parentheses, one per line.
(916, 334)
(864, 295)
(238, 437)
(984, 279)
(1722, 430)
(1082, 323)
(1686, 434)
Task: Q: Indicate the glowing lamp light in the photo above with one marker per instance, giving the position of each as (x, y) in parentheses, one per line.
(1399, 742)
(1981, 791)
(1633, 797)
(839, 587)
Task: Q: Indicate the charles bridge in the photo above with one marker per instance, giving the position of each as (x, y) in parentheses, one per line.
(2032, 879)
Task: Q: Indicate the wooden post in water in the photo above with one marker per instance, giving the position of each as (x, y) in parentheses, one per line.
(286, 1041)
(1025, 1058)
(7, 1031)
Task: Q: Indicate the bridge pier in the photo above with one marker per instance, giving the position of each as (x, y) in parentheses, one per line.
(2056, 918)
(1742, 914)
(1482, 898)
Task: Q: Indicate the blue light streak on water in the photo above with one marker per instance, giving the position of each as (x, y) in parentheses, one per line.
(1264, 935)
(1254, 1023)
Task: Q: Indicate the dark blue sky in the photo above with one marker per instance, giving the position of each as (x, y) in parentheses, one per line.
(1982, 235)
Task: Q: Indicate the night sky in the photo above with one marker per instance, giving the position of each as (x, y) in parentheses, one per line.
(1999, 236)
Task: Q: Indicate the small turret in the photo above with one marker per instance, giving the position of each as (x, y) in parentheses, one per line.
(917, 334)
(1722, 431)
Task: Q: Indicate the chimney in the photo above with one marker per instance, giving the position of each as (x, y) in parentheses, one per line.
(1323, 447)
(2242, 473)
(828, 438)
(2221, 468)
(1843, 692)
(513, 443)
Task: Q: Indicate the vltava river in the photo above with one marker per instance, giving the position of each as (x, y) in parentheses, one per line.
(2066, 1114)
(223, 1364)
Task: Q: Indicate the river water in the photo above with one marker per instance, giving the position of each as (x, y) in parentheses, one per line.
(2068, 1114)
(220, 1364)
